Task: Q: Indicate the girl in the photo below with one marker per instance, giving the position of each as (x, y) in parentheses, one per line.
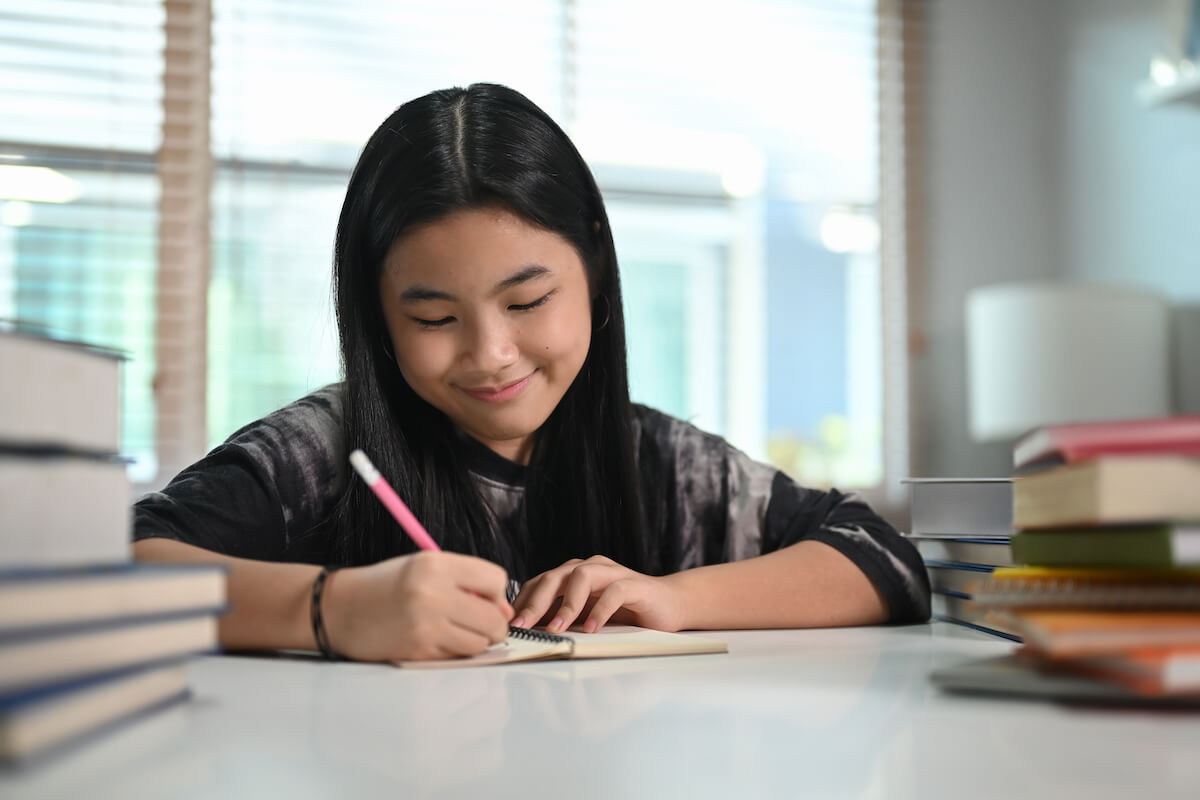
(483, 348)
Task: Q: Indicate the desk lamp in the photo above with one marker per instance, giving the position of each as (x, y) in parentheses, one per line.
(1045, 353)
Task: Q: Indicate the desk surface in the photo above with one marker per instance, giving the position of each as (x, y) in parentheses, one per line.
(824, 713)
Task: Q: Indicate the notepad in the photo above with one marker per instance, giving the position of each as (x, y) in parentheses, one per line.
(524, 644)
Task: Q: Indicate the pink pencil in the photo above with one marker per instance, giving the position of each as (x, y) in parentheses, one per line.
(391, 501)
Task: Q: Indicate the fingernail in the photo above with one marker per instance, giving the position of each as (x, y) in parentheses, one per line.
(590, 626)
(519, 622)
(556, 625)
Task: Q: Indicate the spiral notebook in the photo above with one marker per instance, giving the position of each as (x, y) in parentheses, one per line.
(524, 644)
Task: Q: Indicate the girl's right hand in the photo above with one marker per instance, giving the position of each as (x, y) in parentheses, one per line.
(420, 606)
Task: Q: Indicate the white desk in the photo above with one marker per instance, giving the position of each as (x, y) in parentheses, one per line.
(827, 713)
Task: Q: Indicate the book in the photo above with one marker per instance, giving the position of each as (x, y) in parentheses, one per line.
(1133, 546)
(34, 723)
(984, 551)
(959, 579)
(1055, 633)
(958, 507)
(1154, 672)
(1109, 490)
(63, 509)
(947, 607)
(49, 598)
(1095, 588)
(525, 644)
(67, 395)
(1015, 675)
(40, 658)
(1070, 443)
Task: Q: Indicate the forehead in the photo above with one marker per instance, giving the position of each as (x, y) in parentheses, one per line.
(478, 243)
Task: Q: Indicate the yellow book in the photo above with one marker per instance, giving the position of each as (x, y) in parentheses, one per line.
(1083, 588)
(524, 644)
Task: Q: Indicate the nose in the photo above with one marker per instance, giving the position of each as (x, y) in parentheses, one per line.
(490, 346)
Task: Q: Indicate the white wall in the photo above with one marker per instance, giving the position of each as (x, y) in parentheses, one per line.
(1131, 174)
(1043, 164)
(992, 198)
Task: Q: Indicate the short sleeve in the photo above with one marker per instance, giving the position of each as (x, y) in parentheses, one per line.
(850, 526)
(711, 503)
(267, 493)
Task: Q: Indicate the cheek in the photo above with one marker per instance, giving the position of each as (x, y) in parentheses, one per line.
(567, 337)
(421, 359)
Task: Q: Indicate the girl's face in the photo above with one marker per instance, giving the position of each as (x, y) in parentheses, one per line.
(490, 319)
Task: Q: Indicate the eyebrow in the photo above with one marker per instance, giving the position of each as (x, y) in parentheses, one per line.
(418, 293)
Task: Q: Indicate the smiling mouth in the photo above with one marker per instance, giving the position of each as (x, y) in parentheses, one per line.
(502, 393)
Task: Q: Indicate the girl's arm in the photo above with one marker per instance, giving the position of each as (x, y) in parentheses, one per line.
(805, 585)
(269, 603)
(743, 546)
(427, 605)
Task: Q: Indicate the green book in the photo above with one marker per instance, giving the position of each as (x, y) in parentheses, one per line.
(1167, 545)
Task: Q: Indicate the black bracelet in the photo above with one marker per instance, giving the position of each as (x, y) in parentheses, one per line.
(318, 622)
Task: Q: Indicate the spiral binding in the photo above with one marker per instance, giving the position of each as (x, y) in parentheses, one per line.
(537, 636)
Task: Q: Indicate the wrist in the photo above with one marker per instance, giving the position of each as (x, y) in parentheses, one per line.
(683, 588)
(324, 613)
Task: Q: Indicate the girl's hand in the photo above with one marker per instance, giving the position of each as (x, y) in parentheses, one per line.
(420, 606)
(597, 590)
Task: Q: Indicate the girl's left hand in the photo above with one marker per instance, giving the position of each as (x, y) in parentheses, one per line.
(596, 590)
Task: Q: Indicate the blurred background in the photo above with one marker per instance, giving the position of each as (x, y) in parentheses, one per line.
(802, 192)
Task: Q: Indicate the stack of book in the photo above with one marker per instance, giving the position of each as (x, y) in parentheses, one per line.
(1107, 520)
(962, 529)
(87, 638)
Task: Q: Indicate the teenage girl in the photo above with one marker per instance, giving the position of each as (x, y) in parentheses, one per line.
(483, 351)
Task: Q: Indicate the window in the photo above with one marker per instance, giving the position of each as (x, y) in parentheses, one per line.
(81, 85)
(737, 147)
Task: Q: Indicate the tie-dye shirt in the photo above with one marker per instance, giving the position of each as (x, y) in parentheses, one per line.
(268, 493)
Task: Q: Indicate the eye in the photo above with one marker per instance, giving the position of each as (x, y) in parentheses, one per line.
(528, 306)
(433, 323)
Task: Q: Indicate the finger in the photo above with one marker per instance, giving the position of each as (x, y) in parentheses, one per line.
(540, 593)
(477, 575)
(612, 599)
(458, 641)
(580, 585)
(533, 608)
(479, 615)
(440, 637)
(521, 601)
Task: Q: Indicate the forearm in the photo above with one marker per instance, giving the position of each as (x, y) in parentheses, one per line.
(269, 602)
(806, 585)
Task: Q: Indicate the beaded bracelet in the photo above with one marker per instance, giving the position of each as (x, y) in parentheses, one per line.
(318, 622)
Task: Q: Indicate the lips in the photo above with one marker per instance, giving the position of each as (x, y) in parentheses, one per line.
(501, 393)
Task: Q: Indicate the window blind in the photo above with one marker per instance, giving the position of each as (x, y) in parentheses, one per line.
(752, 155)
(297, 88)
(81, 89)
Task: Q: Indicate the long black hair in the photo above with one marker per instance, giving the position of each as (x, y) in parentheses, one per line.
(454, 149)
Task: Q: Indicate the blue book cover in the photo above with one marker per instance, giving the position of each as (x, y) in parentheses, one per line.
(37, 723)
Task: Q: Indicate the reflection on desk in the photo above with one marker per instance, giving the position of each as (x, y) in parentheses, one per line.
(823, 713)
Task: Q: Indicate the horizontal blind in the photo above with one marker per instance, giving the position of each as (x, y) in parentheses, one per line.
(794, 77)
(780, 98)
(298, 87)
(80, 85)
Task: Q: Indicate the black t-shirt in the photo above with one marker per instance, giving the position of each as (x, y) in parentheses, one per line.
(268, 493)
